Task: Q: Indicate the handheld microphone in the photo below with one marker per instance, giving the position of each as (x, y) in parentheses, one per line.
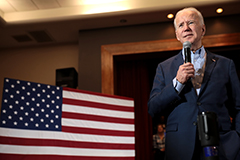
(208, 135)
(187, 52)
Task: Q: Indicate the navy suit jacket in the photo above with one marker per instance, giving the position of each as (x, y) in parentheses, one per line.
(220, 93)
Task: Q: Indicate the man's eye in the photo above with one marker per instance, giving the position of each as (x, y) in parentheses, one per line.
(180, 25)
(190, 22)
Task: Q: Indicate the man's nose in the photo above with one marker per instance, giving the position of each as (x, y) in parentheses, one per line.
(186, 27)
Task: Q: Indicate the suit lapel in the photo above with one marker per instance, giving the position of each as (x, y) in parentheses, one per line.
(210, 64)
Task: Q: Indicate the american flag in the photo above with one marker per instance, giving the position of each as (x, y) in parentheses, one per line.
(41, 121)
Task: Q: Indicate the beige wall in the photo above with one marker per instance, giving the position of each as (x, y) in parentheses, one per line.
(36, 64)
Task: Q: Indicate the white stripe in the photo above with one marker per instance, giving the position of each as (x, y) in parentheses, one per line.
(97, 125)
(34, 150)
(23, 133)
(96, 111)
(98, 99)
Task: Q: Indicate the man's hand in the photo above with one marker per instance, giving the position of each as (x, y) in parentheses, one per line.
(185, 72)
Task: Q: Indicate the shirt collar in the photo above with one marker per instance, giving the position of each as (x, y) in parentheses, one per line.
(202, 54)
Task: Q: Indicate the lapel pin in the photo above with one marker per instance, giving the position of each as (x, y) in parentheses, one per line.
(213, 60)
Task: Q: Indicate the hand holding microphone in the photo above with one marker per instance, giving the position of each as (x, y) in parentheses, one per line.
(186, 70)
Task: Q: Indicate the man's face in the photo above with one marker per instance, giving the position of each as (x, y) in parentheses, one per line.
(189, 28)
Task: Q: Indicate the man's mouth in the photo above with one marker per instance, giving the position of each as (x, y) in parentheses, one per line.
(187, 35)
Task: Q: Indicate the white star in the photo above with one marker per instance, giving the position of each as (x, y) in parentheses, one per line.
(26, 114)
(10, 106)
(42, 120)
(48, 86)
(39, 85)
(18, 82)
(37, 114)
(56, 126)
(56, 116)
(43, 100)
(9, 117)
(36, 125)
(5, 100)
(15, 112)
(16, 102)
(31, 119)
(53, 101)
(6, 90)
(3, 122)
(33, 89)
(7, 80)
(4, 111)
(12, 86)
(47, 115)
(11, 96)
(15, 123)
(57, 107)
(26, 124)
(23, 88)
(47, 125)
(29, 83)
(53, 92)
(17, 92)
(21, 118)
(22, 108)
(22, 98)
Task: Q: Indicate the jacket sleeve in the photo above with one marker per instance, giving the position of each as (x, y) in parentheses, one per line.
(163, 94)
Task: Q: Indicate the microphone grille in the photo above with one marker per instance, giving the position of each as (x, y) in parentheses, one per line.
(187, 44)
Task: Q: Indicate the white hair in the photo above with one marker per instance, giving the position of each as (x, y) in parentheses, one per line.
(199, 14)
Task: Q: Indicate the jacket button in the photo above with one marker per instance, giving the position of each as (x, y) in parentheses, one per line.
(194, 123)
(199, 103)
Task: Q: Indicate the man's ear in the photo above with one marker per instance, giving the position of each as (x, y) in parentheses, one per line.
(203, 30)
(177, 36)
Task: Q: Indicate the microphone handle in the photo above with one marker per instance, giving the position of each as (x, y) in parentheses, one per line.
(187, 54)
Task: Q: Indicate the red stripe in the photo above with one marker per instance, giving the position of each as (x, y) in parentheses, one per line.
(62, 143)
(97, 105)
(97, 131)
(97, 118)
(56, 157)
(97, 94)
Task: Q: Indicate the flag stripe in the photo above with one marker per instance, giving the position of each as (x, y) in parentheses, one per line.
(57, 157)
(96, 111)
(46, 150)
(97, 125)
(65, 136)
(97, 97)
(62, 143)
(79, 102)
(97, 131)
(80, 116)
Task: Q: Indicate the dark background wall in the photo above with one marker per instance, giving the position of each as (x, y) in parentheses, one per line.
(90, 42)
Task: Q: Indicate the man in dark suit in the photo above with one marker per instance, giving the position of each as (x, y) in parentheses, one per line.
(181, 91)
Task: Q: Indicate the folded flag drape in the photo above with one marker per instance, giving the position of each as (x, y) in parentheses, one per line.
(43, 121)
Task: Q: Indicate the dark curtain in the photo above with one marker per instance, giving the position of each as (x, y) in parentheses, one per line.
(132, 79)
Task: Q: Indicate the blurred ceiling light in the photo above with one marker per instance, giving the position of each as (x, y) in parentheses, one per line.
(170, 16)
(88, 2)
(219, 10)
